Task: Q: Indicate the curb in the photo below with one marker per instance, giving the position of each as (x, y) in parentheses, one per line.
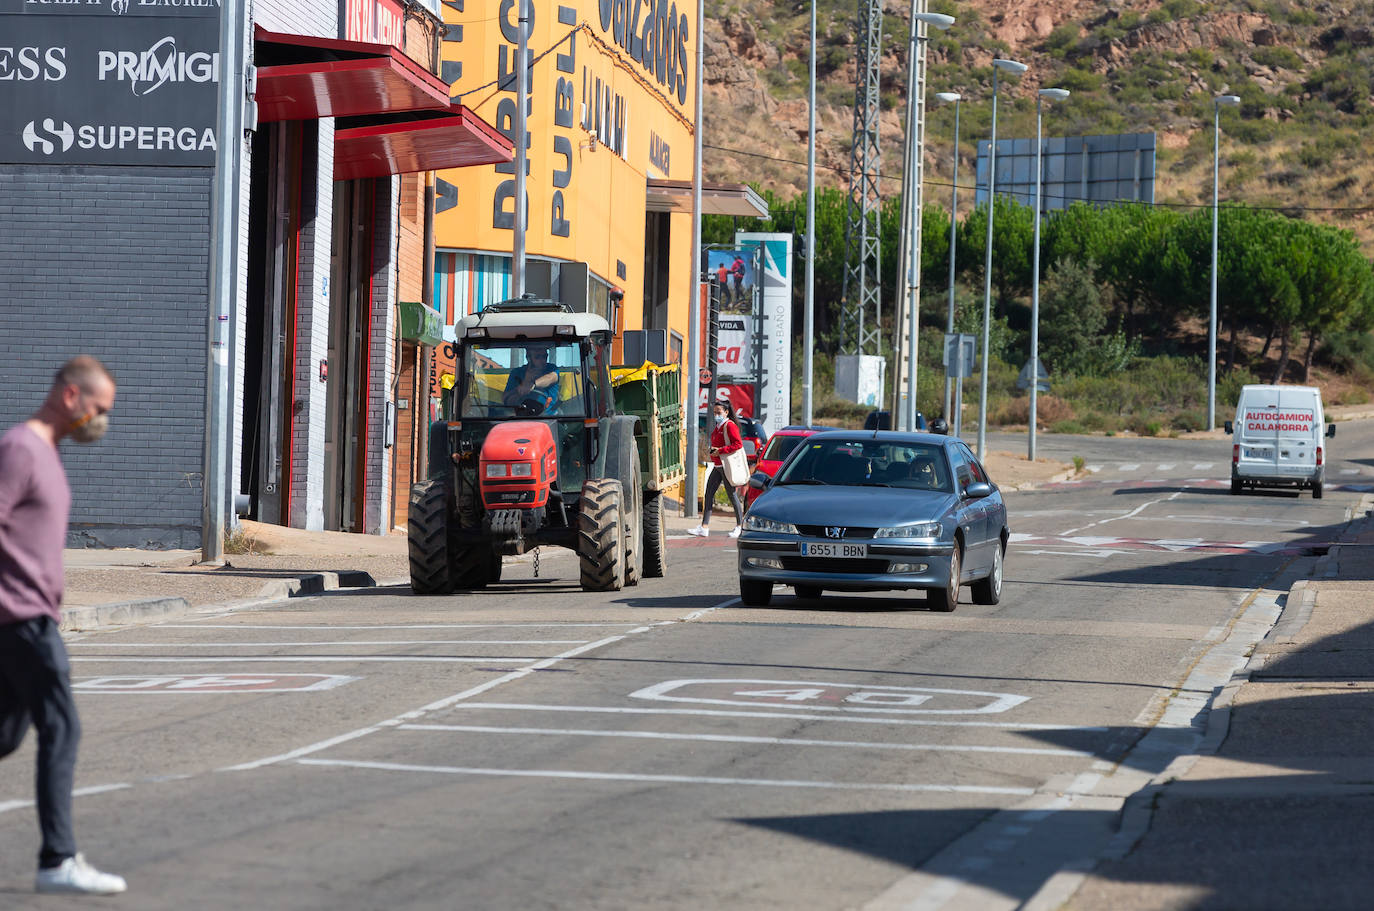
(153, 610)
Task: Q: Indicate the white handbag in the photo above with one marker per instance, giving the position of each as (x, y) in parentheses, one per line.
(735, 468)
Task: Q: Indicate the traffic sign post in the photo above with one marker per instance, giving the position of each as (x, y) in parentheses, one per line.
(1042, 377)
(960, 357)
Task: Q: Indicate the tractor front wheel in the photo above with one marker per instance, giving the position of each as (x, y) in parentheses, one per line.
(427, 528)
(601, 536)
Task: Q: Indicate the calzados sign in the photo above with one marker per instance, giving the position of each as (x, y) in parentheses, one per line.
(1291, 421)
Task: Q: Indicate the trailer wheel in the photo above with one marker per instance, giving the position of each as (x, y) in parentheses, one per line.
(427, 527)
(600, 536)
(655, 541)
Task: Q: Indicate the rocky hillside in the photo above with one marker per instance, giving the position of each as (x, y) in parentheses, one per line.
(1304, 72)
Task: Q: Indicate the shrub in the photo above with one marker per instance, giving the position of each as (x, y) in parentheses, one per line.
(1069, 427)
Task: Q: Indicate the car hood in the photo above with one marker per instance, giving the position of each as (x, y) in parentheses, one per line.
(809, 504)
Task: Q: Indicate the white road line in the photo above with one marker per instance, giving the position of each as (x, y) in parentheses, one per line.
(1202, 466)
(444, 703)
(722, 738)
(721, 713)
(1128, 466)
(8, 805)
(1094, 468)
(381, 626)
(340, 644)
(669, 779)
(321, 659)
(1165, 466)
(1134, 512)
(1350, 471)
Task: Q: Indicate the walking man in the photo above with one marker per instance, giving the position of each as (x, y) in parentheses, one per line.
(35, 677)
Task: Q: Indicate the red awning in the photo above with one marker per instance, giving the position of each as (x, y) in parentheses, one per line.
(416, 141)
(302, 78)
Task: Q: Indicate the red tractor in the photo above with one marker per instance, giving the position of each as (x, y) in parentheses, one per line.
(534, 452)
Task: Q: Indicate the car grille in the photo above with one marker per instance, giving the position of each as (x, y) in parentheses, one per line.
(818, 531)
(834, 565)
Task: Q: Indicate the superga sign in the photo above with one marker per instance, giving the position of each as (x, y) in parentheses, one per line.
(134, 85)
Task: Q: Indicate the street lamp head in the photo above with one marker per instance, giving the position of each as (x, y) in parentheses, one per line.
(939, 20)
(947, 97)
(1011, 67)
(1054, 94)
(1228, 100)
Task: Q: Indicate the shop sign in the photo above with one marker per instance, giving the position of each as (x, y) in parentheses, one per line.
(119, 90)
(111, 9)
(374, 21)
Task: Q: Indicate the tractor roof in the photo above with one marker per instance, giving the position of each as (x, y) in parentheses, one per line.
(530, 318)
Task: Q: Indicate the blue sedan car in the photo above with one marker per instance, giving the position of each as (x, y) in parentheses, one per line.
(860, 510)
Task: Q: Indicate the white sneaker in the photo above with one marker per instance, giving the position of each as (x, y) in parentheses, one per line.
(75, 875)
(700, 531)
(734, 532)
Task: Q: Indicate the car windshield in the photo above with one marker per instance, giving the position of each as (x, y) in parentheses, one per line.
(849, 462)
(780, 447)
(522, 380)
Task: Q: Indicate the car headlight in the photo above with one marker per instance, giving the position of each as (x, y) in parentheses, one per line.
(754, 522)
(920, 530)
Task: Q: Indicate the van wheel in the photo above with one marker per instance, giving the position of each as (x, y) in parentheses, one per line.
(1317, 491)
(1235, 486)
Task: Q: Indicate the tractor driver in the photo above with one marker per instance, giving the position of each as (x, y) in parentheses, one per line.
(533, 389)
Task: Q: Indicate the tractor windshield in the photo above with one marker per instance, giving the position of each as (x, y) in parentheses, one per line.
(523, 379)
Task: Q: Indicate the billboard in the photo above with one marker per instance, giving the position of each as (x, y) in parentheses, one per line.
(109, 83)
(1097, 169)
(774, 405)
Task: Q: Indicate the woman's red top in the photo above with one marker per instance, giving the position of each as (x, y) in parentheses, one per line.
(726, 439)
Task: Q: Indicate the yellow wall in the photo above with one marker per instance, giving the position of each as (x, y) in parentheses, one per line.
(602, 187)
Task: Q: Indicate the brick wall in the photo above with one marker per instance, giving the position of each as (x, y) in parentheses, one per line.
(113, 262)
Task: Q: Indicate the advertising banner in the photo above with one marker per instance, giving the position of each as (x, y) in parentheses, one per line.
(122, 83)
(375, 21)
(775, 379)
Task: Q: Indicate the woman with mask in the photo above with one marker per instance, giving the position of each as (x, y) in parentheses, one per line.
(725, 439)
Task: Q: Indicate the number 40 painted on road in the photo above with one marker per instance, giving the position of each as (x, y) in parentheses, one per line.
(832, 697)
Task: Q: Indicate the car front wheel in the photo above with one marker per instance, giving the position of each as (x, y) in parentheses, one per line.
(754, 593)
(989, 590)
(947, 598)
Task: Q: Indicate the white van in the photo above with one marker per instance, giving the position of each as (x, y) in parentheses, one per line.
(1278, 438)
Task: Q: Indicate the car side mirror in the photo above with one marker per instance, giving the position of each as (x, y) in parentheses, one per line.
(1330, 430)
(1227, 427)
(978, 490)
(759, 481)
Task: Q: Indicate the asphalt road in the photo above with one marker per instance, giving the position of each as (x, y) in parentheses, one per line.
(532, 746)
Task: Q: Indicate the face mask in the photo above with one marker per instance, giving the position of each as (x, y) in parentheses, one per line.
(720, 419)
(89, 429)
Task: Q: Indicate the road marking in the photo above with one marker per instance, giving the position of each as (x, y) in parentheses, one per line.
(213, 683)
(1128, 466)
(1350, 471)
(339, 644)
(849, 697)
(1202, 466)
(669, 779)
(6, 806)
(1165, 466)
(722, 738)
(1094, 468)
(435, 706)
(725, 713)
(379, 627)
(254, 659)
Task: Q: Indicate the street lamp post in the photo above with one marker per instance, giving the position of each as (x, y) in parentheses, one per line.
(1228, 100)
(953, 421)
(809, 316)
(911, 215)
(1052, 95)
(1013, 69)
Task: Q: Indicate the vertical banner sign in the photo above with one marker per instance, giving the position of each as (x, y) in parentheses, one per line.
(373, 21)
(775, 399)
(109, 82)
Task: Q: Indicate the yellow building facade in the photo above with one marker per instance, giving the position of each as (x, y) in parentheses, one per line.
(609, 119)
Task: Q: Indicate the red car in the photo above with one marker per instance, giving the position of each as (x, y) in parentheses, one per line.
(779, 447)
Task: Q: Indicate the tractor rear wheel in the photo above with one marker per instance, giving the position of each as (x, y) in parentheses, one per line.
(655, 541)
(601, 536)
(427, 527)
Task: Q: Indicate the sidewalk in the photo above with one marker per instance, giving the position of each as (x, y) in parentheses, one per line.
(128, 586)
(1277, 811)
